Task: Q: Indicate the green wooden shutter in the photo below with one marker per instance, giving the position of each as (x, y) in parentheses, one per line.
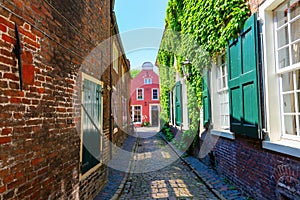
(205, 99)
(91, 126)
(178, 104)
(243, 82)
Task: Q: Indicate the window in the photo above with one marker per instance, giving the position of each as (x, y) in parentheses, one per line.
(115, 106)
(287, 35)
(91, 125)
(178, 103)
(281, 40)
(154, 94)
(124, 111)
(140, 94)
(137, 114)
(115, 58)
(147, 81)
(220, 117)
(223, 92)
(123, 74)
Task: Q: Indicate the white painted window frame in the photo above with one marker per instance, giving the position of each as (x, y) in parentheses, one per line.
(137, 93)
(217, 92)
(147, 81)
(277, 141)
(157, 94)
(132, 113)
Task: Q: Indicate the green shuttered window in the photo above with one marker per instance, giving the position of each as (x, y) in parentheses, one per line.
(206, 99)
(91, 125)
(178, 104)
(243, 82)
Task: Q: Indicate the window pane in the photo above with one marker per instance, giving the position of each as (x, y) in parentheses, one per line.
(226, 108)
(219, 84)
(154, 94)
(295, 8)
(290, 125)
(281, 15)
(289, 103)
(296, 52)
(283, 36)
(224, 70)
(298, 79)
(283, 57)
(140, 94)
(295, 26)
(137, 113)
(287, 82)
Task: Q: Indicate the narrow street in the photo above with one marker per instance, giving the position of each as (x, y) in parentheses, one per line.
(158, 173)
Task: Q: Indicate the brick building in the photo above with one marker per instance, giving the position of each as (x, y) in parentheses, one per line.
(144, 101)
(253, 116)
(251, 104)
(55, 97)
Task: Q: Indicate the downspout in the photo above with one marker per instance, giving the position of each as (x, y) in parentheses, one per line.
(263, 113)
(110, 79)
(110, 106)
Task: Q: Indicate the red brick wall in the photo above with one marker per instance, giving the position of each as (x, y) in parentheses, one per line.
(39, 142)
(255, 170)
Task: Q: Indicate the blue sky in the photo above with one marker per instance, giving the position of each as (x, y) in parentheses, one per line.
(141, 24)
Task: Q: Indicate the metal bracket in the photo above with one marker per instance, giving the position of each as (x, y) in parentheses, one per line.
(18, 51)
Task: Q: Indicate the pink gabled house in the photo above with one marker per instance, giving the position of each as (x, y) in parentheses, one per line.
(144, 97)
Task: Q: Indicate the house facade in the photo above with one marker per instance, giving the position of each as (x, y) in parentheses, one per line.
(56, 86)
(120, 95)
(144, 101)
(252, 107)
(250, 104)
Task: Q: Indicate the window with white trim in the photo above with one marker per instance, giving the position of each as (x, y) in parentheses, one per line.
(281, 61)
(154, 94)
(219, 96)
(222, 82)
(140, 94)
(287, 36)
(147, 81)
(136, 112)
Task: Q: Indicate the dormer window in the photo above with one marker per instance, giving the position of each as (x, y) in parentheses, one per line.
(147, 81)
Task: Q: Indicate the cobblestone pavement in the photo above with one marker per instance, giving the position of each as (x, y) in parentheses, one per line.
(158, 173)
(116, 177)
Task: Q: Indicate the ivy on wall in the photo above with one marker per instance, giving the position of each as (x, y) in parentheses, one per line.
(198, 30)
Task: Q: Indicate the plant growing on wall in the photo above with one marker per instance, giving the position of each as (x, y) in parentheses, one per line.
(199, 31)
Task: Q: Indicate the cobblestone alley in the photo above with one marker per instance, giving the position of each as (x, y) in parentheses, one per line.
(158, 173)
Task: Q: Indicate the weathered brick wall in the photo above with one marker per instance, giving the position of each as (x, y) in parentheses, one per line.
(39, 141)
(258, 171)
(254, 5)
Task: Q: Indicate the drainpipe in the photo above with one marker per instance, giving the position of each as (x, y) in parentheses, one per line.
(110, 81)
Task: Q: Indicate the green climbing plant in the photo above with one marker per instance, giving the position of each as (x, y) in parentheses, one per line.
(198, 30)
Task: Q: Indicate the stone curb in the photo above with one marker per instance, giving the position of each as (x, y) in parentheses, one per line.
(208, 185)
(122, 185)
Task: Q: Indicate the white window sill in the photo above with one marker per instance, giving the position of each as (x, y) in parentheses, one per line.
(223, 133)
(288, 147)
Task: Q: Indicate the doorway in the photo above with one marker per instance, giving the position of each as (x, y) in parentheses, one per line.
(155, 115)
